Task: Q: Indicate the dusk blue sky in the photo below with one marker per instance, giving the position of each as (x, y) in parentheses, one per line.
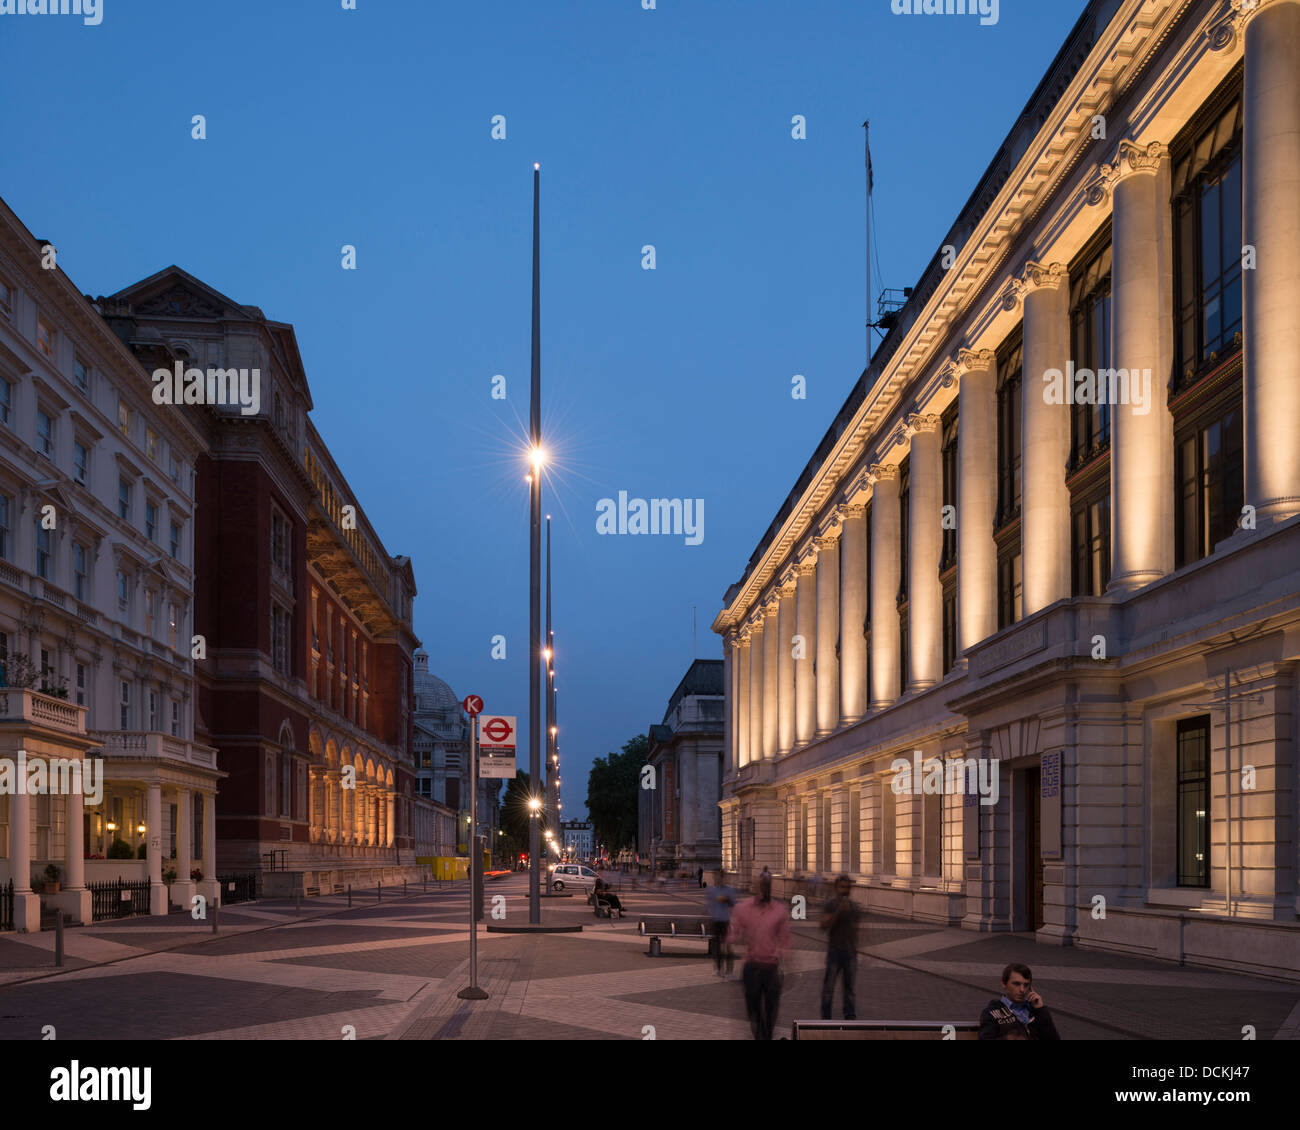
(669, 127)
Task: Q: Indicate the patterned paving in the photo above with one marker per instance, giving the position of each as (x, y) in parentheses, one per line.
(393, 970)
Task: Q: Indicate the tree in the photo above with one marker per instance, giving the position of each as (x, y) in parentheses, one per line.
(612, 794)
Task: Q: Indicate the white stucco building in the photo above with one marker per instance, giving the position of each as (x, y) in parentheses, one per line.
(1098, 604)
(96, 592)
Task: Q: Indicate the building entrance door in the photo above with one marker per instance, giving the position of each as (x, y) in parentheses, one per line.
(1033, 854)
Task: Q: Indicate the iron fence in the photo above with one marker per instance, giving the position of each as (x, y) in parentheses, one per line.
(237, 888)
(118, 898)
(7, 906)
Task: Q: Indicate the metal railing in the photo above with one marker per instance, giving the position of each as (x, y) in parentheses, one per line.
(118, 898)
(7, 906)
(237, 888)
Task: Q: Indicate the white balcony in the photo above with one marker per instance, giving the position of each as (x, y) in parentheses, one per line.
(22, 704)
(150, 745)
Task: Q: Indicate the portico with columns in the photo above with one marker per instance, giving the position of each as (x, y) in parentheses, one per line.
(1127, 621)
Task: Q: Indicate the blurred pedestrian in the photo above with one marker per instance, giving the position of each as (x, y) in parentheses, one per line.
(840, 921)
(763, 927)
(722, 900)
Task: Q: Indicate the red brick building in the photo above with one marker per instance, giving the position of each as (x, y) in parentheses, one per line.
(302, 619)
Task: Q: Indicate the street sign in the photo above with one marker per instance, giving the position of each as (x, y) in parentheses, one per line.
(500, 767)
(497, 732)
(473, 705)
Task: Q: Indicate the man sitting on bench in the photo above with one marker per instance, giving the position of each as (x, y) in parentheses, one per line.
(602, 892)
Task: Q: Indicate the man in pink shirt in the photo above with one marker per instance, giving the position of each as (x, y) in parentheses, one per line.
(763, 927)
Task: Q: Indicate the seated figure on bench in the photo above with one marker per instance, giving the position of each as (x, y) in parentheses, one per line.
(603, 893)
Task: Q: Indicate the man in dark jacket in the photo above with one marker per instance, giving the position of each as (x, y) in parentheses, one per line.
(1020, 1013)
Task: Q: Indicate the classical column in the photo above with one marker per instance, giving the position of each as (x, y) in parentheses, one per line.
(27, 904)
(785, 667)
(157, 892)
(1271, 291)
(1045, 428)
(729, 715)
(977, 496)
(805, 684)
(756, 688)
(74, 808)
(388, 819)
(853, 614)
(771, 676)
(209, 888)
(1142, 429)
(925, 534)
(183, 888)
(828, 631)
(743, 678)
(884, 585)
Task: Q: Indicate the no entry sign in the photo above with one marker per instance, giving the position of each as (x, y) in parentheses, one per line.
(497, 732)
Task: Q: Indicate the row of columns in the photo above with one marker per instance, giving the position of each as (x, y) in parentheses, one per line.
(797, 668)
(363, 815)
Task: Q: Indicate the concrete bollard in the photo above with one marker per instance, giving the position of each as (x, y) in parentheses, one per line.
(379, 891)
(349, 895)
(216, 912)
(58, 939)
(297, 904)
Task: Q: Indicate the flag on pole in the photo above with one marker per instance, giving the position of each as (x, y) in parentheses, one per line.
(871, 180)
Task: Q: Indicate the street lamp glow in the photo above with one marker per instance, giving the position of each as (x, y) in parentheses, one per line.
(534, 804)
(547, 652)
(537, 457)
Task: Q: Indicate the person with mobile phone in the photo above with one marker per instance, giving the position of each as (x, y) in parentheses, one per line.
(1020, 1013)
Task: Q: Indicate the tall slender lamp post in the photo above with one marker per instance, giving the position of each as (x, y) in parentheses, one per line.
(535, 563)
(551, 795)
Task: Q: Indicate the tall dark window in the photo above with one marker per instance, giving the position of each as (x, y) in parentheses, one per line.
(1090, 349)
(904, 518)
(1090, 538)
(1009, 449)
(1007, 523)
(1208, 478)
(948, 556)
(1194, 802)
(1208, 237)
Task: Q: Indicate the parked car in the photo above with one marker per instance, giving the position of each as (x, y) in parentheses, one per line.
(573, 875)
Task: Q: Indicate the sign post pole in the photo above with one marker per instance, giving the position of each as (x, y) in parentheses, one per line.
(473, 705)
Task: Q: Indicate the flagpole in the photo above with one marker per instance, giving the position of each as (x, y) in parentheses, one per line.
(866, 133)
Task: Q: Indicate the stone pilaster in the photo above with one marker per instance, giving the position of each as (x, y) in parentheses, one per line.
(805, 682)
(785, 665)
(977, 496)
(853, 614)
(828, 628)
(771, 675)
(925, 531)
(884, 585)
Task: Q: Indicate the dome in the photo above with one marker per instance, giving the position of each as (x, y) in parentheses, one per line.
(432, 695)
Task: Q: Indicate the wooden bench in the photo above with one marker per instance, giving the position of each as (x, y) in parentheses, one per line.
(686, 926)
(885, 1030)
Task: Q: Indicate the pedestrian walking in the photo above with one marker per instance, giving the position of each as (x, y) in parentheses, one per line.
(699, 876)
(1020, 1013)
(763, 927)
(840, 921)
(722, 900)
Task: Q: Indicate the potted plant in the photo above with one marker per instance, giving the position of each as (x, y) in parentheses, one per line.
(120, 849)
(142, 852)
(197, 875)
(169, 876)
(52, 877)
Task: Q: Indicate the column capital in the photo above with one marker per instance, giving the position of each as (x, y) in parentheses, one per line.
(849, 510)
(884, 472)
(1227, 28)
(1034, 276)
(972, 361)
(787, 580)
(1130, 159)
(742, 635)
(771, 604)
(807, 567)
(926, 423)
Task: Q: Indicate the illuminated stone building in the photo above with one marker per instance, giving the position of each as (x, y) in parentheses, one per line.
(1102, 599)
(304, 680)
